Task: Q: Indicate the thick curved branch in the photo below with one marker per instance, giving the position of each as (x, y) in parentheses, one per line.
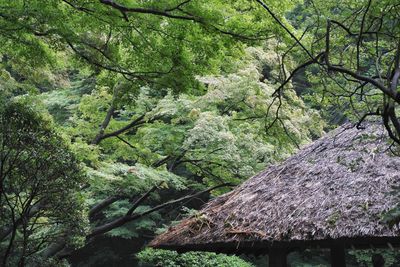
(138, 121)
(131, 217)
(394, 95)
(103, 204)
(387, 116)
(163, 13)
(167, 13)
(107, 118)
(141, 199)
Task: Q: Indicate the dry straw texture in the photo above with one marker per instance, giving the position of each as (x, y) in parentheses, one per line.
(337, 187)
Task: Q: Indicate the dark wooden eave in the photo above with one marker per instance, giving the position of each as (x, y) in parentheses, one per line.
(263, 247)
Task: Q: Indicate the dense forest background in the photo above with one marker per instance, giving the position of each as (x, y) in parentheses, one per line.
(119, 118)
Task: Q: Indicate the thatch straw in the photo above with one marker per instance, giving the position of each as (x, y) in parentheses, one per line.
(337, 187)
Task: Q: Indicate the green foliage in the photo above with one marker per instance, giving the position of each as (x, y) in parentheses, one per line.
(184, 141)
(124, 180)
(166, 258)
(62, 101)
(193, 79)
(194, 38)
(363, 257)
(40, 181)
(132, 179)
(226, 134)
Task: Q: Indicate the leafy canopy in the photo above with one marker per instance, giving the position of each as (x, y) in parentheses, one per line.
(39, 186)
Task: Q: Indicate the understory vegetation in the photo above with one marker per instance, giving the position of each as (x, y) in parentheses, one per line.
(120, 118)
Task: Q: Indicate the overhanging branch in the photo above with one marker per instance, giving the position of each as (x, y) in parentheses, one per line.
(131, 217)
(163, 13)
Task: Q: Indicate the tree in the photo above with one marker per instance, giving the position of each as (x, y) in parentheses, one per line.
(356, 46)
(175, 147)
(122, 81)
(42, 209)
(225, 135)
(39, 184)
(163, 43)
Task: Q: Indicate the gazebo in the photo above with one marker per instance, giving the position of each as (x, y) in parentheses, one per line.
(331, 194)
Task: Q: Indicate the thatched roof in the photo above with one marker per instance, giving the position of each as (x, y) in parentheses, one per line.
(336, 188)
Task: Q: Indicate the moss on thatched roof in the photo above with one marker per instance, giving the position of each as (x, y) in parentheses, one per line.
(336, 188)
